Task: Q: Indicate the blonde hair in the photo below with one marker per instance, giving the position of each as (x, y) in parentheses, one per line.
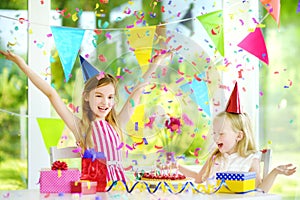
(245, 147)
(88, 115)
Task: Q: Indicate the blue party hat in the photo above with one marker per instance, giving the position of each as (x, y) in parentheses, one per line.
(88, 70)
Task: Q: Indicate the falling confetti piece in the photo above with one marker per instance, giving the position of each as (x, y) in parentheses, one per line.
(129, 147)
(158, 147)
(196, 151)
(102, 58)
(120, 146)
(128, 168)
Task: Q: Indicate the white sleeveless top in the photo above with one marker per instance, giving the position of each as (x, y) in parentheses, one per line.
(233, 162)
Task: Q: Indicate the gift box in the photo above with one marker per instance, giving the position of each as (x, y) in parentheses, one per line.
(84, 187)
(58, 181)
(93, 168)
(236, 182)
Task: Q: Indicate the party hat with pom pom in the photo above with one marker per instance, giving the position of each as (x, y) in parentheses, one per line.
(88, 70)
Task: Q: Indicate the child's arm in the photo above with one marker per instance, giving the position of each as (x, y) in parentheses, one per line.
(198, 176)
(43, 86)
(268, 181)
(127, 110)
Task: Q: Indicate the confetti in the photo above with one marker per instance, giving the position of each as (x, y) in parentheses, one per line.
(197, 78)
(196, 151)
(129, 147)
(187, 120)
(158, 147)
(179, 80)
(128, 168)
(145, 141)
(120, 146)
(126, 89)
(102, 58)
(6, 195)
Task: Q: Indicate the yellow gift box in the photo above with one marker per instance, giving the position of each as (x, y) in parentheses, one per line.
(236, 182)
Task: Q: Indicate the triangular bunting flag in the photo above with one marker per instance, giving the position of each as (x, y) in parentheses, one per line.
(51, 130)
(141, 40)
(68, 42)
(273, 7)
(200, 93)
(213, 24)
(254, 43)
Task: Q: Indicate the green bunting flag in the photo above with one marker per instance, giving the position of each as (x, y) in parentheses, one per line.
(51, 130)
(213, 24)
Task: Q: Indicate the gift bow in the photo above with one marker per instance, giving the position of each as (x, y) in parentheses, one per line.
(91, 153)
(58, 165)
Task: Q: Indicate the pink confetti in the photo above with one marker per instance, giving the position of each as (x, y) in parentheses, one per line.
(261, 93)
(179, 47)
(165, 89)
(120, 146)
(129, 147)
(102, 58)
(128, 168)
(196, 151)
(242, 22)
(187, 120)
(6, 195)
(47, 195)
(77, 150)
(150, 123)
(179, 80)
(130, 26)
(107, 35)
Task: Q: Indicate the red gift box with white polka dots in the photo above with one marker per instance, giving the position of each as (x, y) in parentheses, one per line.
(58, 181)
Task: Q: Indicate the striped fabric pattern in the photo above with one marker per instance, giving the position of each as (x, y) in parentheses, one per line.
(106, 140)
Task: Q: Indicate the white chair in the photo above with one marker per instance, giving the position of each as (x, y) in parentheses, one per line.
(62, 153)
(266, 160)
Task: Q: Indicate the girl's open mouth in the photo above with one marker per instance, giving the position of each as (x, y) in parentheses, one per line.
(220, 145)
(102, 108)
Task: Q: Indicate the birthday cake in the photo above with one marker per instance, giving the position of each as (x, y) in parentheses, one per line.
(148, 176)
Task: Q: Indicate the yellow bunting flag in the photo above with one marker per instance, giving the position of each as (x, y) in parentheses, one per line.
(51, 130)
(141, 40)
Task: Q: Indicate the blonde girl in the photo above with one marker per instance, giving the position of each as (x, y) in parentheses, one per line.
(235, 151)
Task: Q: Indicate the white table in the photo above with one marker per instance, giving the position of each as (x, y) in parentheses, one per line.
(135, 195)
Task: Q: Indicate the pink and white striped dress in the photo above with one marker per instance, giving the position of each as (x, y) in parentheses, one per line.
(106, 140)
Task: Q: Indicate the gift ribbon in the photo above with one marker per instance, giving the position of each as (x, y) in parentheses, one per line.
(88, 183)
(165, 185)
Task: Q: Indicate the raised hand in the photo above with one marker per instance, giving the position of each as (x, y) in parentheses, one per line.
(286, 169)
(9, 55)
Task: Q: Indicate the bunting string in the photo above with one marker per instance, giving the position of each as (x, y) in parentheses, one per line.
(106, 29)
(167, 185)
(120, 29)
